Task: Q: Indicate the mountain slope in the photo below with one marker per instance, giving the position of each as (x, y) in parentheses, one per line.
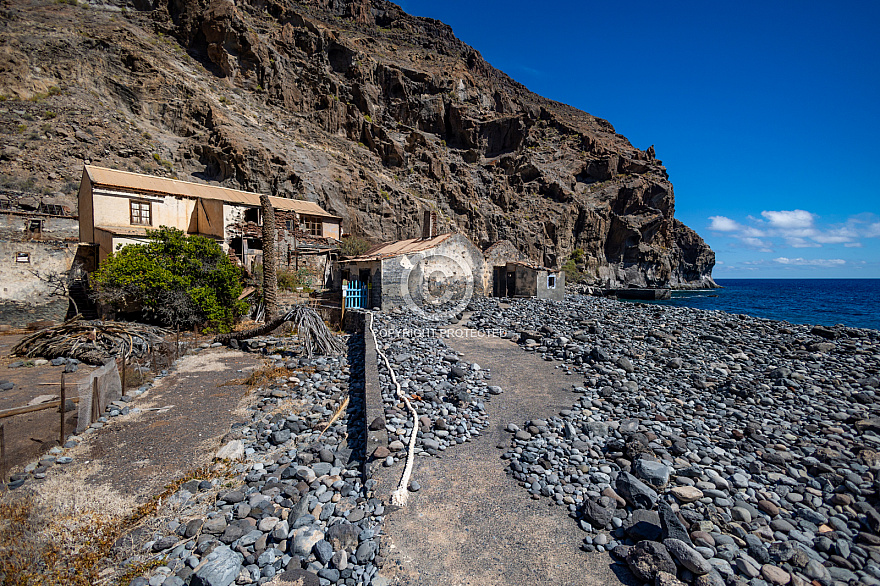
(372, 113)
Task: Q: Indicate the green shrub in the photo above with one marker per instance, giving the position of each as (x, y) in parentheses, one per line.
(290, 280)
(352, 246)
(175, 279)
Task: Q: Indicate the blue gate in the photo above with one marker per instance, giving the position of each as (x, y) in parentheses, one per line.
(355, 295)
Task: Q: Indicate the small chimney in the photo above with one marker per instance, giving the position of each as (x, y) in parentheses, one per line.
(429, 225)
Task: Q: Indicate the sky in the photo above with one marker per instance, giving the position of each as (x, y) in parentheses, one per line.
(766, 114)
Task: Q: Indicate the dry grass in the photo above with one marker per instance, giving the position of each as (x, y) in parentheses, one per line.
(64, 531)
(261, 377)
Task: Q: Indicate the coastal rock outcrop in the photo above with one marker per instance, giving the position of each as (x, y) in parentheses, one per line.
(374, 114)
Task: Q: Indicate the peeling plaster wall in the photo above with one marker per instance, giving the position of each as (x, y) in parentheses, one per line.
(456, 258)
(169, 210)
(19, 284)
(13, 226)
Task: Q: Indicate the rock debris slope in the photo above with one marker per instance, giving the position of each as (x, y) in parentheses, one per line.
(372, 113)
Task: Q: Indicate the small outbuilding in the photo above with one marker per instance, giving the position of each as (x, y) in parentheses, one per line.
(529, 280)
(441, 271)
(434, 270)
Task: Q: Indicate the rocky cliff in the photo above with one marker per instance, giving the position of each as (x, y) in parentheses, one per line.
(372, 113)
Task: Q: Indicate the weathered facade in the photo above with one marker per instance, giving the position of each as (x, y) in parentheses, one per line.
(117, 208)
(437, 270)
(37, 242)
(419, 271)
(535, 281)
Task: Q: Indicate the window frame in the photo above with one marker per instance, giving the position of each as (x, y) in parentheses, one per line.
(551, 281)
(139, 213)
(313, 226)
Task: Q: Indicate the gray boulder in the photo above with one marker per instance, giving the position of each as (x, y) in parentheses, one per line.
(222, 568)
(647, 558)
(635, 492)
(687, 556)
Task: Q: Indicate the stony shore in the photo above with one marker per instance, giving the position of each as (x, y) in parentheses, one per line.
(704, 447)
(296, 508)
(700, 447)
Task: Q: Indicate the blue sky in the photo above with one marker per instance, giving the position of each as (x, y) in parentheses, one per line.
(766, 114)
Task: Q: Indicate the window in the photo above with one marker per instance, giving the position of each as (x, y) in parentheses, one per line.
(35, 228)
(551, 281)
(253, 215)
(23, 257)
(313, 226)
(140, 213)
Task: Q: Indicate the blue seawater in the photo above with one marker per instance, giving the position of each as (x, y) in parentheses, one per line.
(852, 302)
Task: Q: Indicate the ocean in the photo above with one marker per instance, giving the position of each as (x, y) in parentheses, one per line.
(852, 302)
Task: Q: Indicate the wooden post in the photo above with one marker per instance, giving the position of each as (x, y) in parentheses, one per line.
(342, 317)
(123, 374)
(96, 412)
(2, 454)
(63, 405)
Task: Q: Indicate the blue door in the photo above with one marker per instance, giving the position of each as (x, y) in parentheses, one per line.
(354, 295)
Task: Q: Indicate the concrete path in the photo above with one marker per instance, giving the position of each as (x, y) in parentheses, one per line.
(471, 523)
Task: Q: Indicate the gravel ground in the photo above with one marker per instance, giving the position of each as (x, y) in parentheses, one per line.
(296, 507)
(704, 447)
(470, 523)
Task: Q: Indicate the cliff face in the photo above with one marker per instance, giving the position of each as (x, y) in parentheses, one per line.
(372, 113)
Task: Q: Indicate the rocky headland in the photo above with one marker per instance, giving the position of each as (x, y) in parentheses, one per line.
(372, 113)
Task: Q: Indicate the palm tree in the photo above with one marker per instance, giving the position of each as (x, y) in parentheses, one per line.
(270, 251)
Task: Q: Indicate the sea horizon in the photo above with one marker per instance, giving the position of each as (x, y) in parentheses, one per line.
(814, 301)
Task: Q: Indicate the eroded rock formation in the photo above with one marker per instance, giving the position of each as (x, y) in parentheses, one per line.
(373, 113)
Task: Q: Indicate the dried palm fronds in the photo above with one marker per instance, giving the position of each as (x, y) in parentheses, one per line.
(315, 336)
(90, 341)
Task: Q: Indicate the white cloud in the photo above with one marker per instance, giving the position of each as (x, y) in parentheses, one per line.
(756, 243)
(722, 224)
(801, 243)
(797, 229)
(810, 262)
(791, 219)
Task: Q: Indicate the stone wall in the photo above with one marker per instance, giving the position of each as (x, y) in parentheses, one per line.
(18, 314)
(455, 260)
(18, 261)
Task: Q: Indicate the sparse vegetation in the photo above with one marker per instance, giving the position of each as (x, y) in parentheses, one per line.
(165, 163)
(352, 246)
(290, 280)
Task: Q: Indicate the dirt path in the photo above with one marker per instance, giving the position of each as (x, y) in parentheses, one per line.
(139, 454)
(471, 524)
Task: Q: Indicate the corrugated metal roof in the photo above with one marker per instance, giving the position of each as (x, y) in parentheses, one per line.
(151, 184)
(123, 230)
(392, 249)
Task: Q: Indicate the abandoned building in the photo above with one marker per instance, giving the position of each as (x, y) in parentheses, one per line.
(38, 236)
(117, 208)
(524, 279)
(411, 272)
(440, 268)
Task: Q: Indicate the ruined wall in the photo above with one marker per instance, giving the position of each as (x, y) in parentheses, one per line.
(498, 255)
(556, 293)
(526, 283)
(24, 297)
(454, 261)
(13, 226)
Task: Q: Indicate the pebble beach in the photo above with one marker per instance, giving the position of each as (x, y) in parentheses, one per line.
(704, 447)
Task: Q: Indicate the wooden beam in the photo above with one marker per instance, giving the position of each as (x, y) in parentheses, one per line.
(31, 408)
